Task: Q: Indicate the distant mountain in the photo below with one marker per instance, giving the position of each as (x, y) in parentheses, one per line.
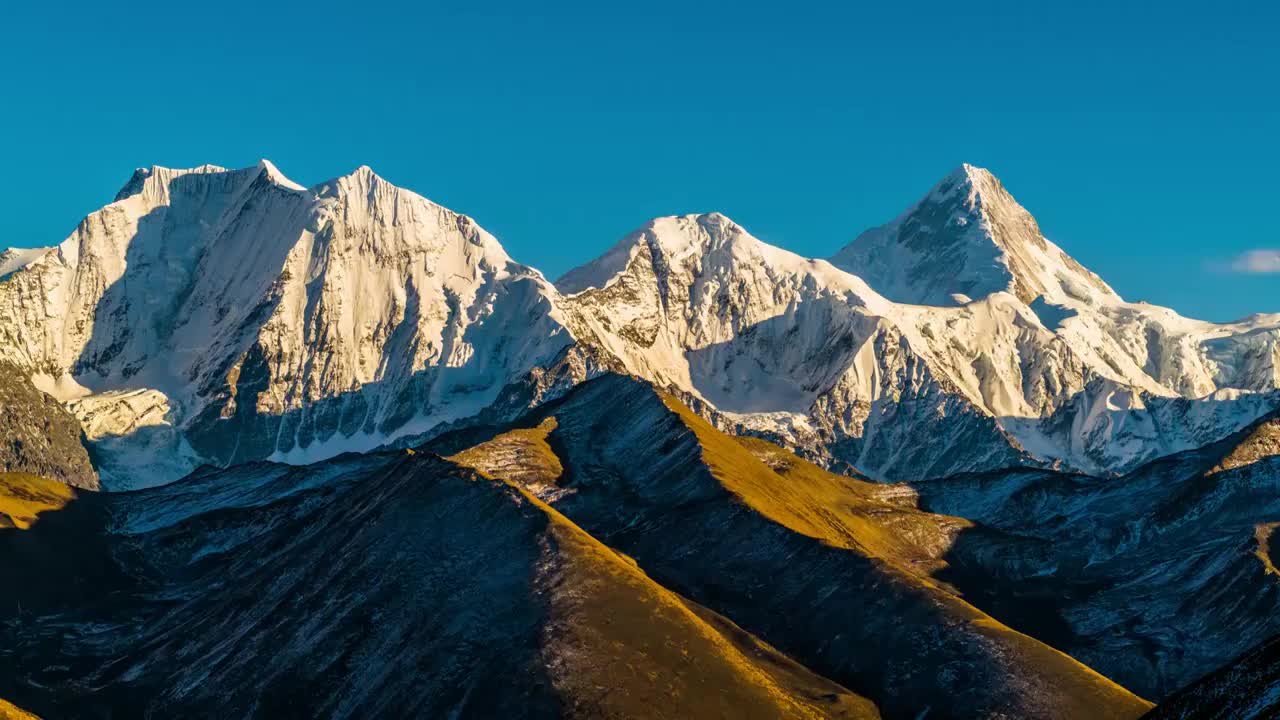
(966, 239)
(764, 341)
(248, 318)
(220, 316)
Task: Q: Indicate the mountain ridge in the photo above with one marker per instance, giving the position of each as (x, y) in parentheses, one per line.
(261, 319)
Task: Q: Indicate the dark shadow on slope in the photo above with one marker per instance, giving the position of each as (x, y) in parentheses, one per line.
(634, 479)
(822, 338)
(1153, 578)
(231, 430)
(383, 587)
(1244, 689)
(51, 572)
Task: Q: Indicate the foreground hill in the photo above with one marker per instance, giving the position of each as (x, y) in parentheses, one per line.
(1154, 578)
(371, 586)
(836, 572)
(612, 556)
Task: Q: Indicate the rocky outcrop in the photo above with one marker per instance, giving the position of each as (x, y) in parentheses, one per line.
(37, 434)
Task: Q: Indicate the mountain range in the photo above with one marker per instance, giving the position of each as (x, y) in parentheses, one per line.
(277, 451)
(210, 316)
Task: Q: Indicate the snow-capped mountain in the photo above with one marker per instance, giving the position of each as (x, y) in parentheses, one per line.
(212, 315)
(768, 342)
(1047, 364)
(966, 239)
(1134, 366)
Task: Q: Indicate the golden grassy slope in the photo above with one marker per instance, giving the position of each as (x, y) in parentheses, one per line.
(622, 646)
(1262, 443)
(619, 645)
(521, 456)
(23, 497)
(872, 520)
(9, 711)
(846, 513)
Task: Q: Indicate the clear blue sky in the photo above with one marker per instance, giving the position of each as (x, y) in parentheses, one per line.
(1144, 136)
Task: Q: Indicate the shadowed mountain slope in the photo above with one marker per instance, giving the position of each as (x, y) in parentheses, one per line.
(834, 571)
(1246, 689)
(1154, 578)
(394, 585)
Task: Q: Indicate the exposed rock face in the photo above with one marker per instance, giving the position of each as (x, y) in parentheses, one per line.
(38, 436)
(218, 316)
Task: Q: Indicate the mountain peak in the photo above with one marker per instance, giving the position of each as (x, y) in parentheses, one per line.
(972, 172)
(362, 179)
(968, 237)
(158, 177)
(138, 181)
(272, 173)
(676, 240)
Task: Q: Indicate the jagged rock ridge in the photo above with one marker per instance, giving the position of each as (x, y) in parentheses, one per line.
(40, 437)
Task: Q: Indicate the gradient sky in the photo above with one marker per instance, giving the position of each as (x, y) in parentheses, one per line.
(1145, 137)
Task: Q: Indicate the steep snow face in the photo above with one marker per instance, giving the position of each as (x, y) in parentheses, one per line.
(274, 320)
(968, 237)
(1046, 363)
(391, 316)
(14, 259)
(1108, 378)
(766, 341)
(212, 315)
(679, 299)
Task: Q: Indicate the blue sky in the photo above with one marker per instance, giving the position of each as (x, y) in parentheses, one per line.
(1145, 137)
